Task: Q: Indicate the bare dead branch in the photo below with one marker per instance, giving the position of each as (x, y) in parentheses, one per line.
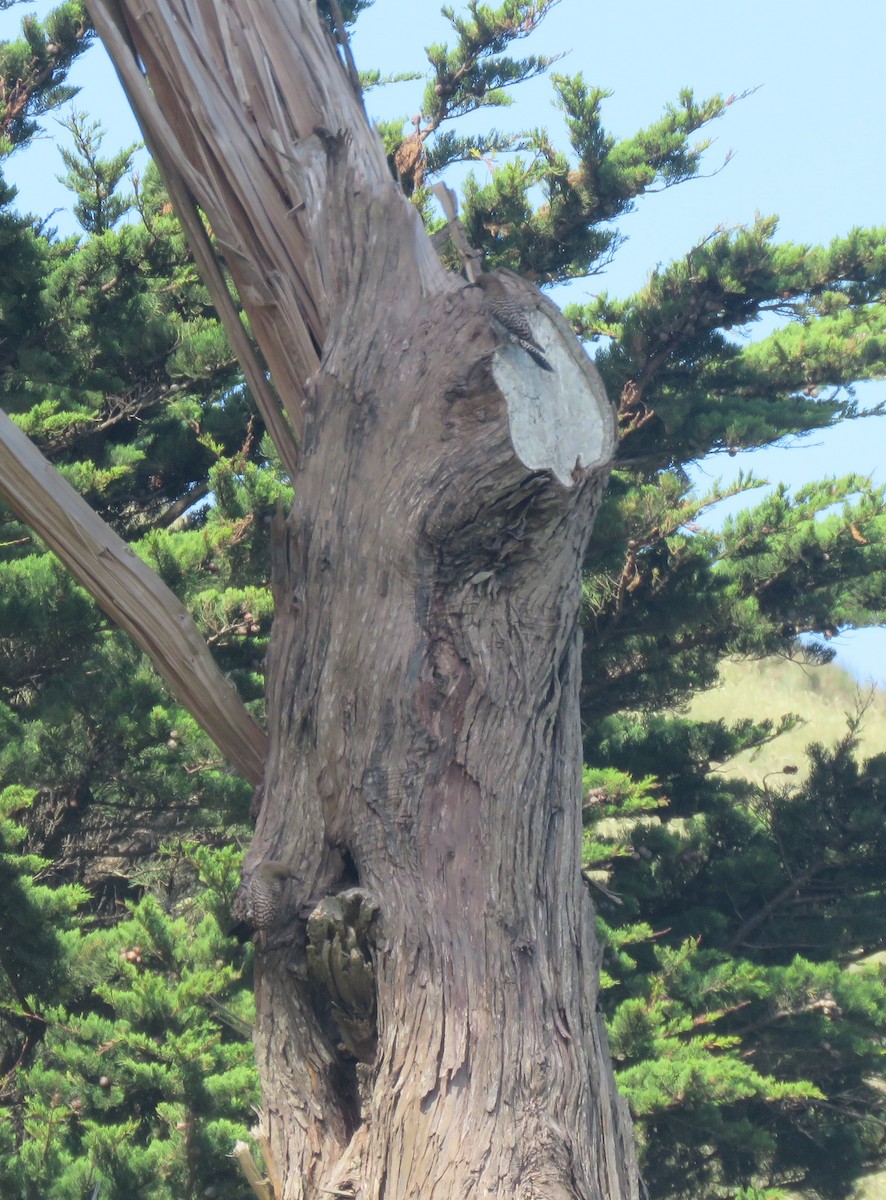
(131, 594)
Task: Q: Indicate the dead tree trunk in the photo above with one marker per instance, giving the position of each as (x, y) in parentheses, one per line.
(426, 995)
(425, 745)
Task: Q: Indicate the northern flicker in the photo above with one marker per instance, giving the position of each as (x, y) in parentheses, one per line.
(257, 900)
(503, 308)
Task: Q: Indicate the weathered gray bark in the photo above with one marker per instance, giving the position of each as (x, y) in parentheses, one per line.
(423, 685)
(425, 728)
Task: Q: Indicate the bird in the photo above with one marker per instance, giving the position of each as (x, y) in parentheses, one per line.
(256, 905)
(510, 316)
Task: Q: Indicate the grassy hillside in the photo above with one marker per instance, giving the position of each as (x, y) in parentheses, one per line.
(821, 696)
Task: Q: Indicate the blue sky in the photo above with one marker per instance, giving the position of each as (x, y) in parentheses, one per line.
(809, 145)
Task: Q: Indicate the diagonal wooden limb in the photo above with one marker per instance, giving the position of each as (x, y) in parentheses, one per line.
(158, 138)
(131, 594)
(469, 258)
(282, 433)
(341, 36)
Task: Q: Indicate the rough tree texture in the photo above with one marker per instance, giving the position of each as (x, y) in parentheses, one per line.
(422, 696)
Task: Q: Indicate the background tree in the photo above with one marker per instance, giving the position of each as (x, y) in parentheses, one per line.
(649, 572)
(745, 1020)
(126, 1064)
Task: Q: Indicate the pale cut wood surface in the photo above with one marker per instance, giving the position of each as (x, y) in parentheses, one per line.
(131, 594)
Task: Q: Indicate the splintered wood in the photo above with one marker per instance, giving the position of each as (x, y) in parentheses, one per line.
(270, 140)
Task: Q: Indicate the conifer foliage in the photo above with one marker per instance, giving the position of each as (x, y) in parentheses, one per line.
(127, 1062)
(745, 1018)
(745, 1021)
